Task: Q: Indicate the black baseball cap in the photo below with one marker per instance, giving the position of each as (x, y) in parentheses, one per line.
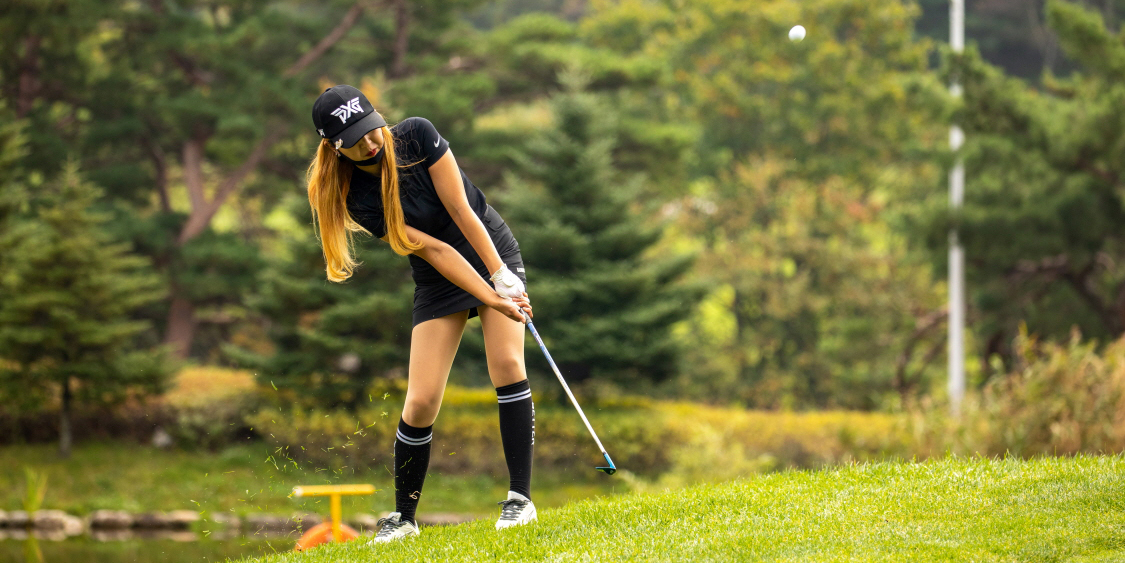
(343, 115)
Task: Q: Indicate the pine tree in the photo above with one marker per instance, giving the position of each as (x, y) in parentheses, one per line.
(1043, 223)
(12, 150)
(331, 341)
(69, 293)
(603, 305)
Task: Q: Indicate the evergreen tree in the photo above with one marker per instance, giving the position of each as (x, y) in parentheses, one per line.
(604, 306)
(1014, 35)
(12, 150)
(330, 340)
(1043, 224)
(68, 295)
(207, 97)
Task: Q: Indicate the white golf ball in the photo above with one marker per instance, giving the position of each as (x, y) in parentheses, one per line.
(797, 33)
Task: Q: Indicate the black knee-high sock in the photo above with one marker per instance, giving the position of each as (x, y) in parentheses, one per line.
(517, 431)
(412, 459)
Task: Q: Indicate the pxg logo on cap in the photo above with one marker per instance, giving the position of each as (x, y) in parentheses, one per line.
(343, 115)
(345, 111)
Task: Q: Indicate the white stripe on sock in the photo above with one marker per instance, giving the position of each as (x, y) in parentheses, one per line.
(514, 397)
(413, 441)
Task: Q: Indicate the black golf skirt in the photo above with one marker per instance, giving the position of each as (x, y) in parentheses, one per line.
(436, 297)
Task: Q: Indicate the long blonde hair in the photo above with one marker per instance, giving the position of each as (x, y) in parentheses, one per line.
(329, 179)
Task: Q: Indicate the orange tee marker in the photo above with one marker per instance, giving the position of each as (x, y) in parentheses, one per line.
(318, 534)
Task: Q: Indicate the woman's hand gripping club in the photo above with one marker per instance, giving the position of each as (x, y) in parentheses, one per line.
(508, 284)
(511, 290)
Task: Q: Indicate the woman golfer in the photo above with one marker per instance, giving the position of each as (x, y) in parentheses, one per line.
(403, 185)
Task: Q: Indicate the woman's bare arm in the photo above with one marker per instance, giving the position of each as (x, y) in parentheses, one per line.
(451, 191)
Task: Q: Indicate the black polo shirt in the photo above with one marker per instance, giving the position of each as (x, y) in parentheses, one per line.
(418, 145)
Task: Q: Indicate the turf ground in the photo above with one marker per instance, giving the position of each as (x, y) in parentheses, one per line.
(1050, 509)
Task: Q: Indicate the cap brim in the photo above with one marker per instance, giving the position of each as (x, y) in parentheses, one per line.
(350, 136)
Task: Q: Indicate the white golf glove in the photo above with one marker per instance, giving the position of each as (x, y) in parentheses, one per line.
(506, 283)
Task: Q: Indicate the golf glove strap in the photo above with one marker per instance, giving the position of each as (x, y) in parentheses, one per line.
(506, 283)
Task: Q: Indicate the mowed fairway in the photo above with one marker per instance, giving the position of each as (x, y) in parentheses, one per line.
(1052, 509)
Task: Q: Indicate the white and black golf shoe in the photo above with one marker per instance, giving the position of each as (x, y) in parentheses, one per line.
(516, 511)
(392, 528)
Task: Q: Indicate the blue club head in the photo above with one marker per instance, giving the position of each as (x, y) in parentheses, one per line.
(608, 470)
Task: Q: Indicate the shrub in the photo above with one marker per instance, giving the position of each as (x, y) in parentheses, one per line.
(678, 441)
(207, 407)
(1061, 399)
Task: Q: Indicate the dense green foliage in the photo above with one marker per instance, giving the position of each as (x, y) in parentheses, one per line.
(954, 509)
(606, 305)
(804, 154)
(13, 192)
(1044, 219)
(69, 298)
(1015, 35)
(1060, 399)
(329, 341)
(797, 175)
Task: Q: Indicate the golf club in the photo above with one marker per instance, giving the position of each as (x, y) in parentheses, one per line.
(608, 470)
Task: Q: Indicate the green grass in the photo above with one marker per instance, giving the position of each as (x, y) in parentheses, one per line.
(123, 476)
(1048, 509)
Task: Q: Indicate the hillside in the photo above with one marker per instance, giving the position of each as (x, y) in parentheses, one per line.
(1046, 509)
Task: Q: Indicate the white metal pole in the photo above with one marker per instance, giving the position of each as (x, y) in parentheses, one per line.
(956, 254)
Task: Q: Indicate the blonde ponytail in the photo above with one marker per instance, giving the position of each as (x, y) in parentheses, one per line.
(329, 179)
(392, 205)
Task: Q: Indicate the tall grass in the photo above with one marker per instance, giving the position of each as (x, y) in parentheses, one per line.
(35, 489)
(1061, 399)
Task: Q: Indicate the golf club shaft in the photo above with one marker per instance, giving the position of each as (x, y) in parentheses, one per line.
(566, 387)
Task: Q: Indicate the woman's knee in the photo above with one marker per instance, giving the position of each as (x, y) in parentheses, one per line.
(421, 411)
(506, 369)
(509, 365)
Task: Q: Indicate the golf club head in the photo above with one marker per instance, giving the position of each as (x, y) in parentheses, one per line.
(608, 470)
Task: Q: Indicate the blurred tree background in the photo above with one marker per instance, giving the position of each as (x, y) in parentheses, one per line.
(1044, 222)
(707, 209)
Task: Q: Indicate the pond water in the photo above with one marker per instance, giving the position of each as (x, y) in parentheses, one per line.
(183, 547)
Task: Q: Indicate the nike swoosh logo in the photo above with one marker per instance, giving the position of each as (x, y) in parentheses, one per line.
(437, 142)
